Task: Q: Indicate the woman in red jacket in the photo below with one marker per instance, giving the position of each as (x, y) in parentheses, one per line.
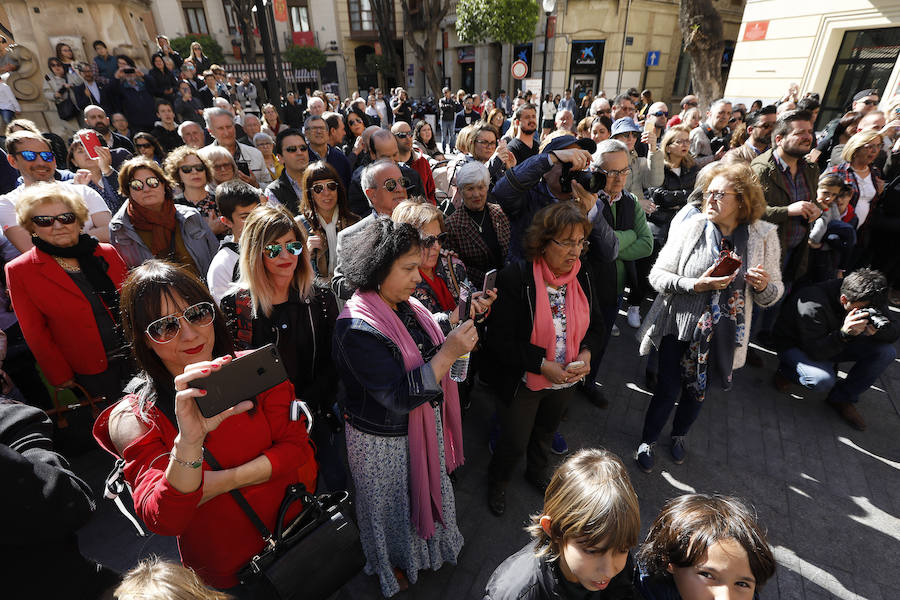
(177, 332)
(65, 292)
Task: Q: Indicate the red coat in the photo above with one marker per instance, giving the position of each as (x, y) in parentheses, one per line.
(55, 317)
(423, 168)
(217, 539)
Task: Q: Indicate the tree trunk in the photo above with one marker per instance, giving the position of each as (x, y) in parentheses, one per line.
(383, 12)
(434, 12)
(701, 29)
(244, 16)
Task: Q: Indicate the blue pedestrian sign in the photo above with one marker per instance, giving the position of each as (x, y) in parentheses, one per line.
(653, 58)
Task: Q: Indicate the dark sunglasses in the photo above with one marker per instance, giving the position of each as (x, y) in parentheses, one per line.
(164, 330)
(31, 155)
(320, 187)
(144, 145)
(137, 185)
(188, 168)
(273, 250)
(391, 184)
(403, 135)
(661, 113)
(440, 238)
(292, 149)
(870, 102)
(66, 218)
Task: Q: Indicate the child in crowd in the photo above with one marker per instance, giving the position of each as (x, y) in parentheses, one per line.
(831, 240)
(703, 547)
(582, 536)
(234, 201)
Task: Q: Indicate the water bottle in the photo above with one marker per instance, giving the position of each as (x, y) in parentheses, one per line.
(460, 368)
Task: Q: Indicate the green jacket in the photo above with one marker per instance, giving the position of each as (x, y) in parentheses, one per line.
(778, 199)
(635, 239)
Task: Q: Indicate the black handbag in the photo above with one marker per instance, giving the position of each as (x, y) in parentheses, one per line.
(314, 555)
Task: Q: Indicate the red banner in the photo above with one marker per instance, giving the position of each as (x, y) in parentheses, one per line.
(280, 7)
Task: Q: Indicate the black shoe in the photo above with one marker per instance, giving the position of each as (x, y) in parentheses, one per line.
(596, 396)
(540, 482)
(753, 358)
(496, 499)
(650, 380)
(765, 339)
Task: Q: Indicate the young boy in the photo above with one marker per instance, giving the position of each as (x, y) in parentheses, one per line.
(582, 537)
(235, 201)
(831, 240)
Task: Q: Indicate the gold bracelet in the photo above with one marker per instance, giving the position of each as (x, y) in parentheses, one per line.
(195, 464)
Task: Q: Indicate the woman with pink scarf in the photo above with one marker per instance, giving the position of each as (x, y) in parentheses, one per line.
(543, 328)
(404, 429)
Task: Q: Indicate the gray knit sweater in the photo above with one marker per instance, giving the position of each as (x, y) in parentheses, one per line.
(683, 259)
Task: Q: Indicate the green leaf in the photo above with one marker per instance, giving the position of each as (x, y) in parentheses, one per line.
(506, 21)
(305, 57)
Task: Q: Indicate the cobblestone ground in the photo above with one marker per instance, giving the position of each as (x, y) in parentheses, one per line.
(829, 495)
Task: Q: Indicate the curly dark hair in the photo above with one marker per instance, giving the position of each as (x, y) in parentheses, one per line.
(866, 285)
(373, 251)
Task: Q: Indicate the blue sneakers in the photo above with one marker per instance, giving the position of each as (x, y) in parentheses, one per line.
(559, 445)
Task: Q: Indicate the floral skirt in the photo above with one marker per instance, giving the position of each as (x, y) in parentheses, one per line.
(380, 469)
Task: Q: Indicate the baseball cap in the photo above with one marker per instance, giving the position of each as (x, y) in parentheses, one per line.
(860, 95)
(624, 125)
(564, 141)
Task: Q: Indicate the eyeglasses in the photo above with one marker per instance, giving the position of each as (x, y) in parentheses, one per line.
(188, 168)
(660, 113)
(718, 195)
(292, 149)
(164, 330)
(144, 145)
(223, 166)
(31, 155)
(486, 142)
(402, 135)
(571, 245)
(391, 184)
(431, 240)
(620, 173)
(273, 250)
(682, 142)
(66, 218)
(320, 187)
(137, 185)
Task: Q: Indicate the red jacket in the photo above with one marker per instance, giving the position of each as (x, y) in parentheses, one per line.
(423, 168)
(55, 317)
(217, 539)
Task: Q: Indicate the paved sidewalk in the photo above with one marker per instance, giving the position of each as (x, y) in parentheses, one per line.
(829, 495)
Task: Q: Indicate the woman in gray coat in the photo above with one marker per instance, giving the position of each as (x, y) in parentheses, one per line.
(150, 225)
(700, 323)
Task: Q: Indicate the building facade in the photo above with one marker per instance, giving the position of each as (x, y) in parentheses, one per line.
(833, 47)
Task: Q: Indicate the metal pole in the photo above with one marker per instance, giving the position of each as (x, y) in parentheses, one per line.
(279, 65)
(443, 62)
(543, 73)
(266, 41)
(622, 56)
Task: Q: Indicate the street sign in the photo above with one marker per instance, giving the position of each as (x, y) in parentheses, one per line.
(519, 69)
(652, 58)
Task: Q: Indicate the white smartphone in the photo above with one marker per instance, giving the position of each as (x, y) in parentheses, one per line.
(575, 365)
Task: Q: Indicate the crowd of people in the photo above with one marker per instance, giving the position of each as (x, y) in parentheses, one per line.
(396, 263)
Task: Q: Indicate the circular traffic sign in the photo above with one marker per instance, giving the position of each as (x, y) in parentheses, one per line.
(519, 69)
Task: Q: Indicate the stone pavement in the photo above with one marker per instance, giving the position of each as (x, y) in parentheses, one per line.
(829, 495)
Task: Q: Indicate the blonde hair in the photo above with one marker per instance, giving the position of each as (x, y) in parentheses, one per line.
(669, 137)
(265, 225)
(418, 214)
(35, 196)
(157, 579)
(464, 139)
(589, 498)
(857, 141)
(752, 201)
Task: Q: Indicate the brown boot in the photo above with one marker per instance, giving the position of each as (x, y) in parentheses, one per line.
(849, 413)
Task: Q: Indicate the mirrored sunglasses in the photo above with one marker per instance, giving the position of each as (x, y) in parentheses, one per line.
(273, 250)
(403, 135)
(31, 155)
(66, 218)
(292, 149)
(137, 185)
(391, 184)
(165, 329)
(320, 187)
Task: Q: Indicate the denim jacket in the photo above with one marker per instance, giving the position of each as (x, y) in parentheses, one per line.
(376, 391)
(198, 238)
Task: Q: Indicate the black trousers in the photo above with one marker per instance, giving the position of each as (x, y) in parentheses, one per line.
(527, 424)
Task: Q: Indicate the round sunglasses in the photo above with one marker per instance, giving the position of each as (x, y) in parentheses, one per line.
(66, 218)
(165, 329)
(137, 185)
(320, 187)
(391, 184)
(273, 250)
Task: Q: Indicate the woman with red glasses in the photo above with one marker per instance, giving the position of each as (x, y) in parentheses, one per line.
(65, 292)
(324, 213)
(279, 301)
(179, 336)
(151, 225)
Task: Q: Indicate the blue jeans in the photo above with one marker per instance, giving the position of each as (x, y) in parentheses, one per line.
(448, 135)
(871, 359)
(6, 115)
(669, 387)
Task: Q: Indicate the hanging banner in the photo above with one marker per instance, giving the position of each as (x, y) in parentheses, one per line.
(281, 13)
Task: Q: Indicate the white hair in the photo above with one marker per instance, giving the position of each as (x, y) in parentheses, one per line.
(471, 173)
(561, 113)
(250, 117)
(185, 125)
(215, 111)
(367, 181)
(597, 105)
(607, 146)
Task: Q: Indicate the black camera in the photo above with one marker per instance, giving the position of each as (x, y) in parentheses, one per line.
(592, 181)
(877, 318)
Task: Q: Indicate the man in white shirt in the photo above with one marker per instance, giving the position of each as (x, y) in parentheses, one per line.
(30, 154)
(220, 125)
(235, 200)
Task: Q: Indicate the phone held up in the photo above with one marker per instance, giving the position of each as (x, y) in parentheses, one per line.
(242, 379)
(490, 280)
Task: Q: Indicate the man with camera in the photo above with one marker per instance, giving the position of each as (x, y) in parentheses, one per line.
(843, 320)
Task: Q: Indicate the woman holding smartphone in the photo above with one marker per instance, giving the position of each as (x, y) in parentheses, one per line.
(178, 337)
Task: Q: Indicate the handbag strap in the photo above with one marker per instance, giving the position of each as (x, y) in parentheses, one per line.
(242, 502)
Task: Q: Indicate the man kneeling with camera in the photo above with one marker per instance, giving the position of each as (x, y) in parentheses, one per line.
(831, 322)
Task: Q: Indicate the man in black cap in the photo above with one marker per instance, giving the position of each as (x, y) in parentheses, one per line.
(864, 102)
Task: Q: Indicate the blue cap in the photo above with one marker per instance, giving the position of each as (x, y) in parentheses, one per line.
(624, 125)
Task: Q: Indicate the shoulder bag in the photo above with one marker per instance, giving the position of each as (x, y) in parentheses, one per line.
(314, 555)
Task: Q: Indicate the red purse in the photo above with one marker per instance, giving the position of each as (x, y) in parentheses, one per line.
(727, 263)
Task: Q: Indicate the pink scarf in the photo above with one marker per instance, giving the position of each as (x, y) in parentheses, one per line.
(543, 333)
(424, 453)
